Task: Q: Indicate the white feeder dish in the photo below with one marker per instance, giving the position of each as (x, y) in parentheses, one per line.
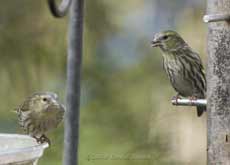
(20, 150)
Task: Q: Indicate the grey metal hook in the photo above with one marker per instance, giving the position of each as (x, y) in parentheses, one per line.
(61, 10)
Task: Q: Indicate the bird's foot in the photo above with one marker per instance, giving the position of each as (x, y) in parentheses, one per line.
(37, 139)
(192, 98)
(42, 139)
(176, 98)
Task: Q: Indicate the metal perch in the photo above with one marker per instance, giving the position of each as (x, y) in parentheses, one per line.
(189, 102)
(216, 18)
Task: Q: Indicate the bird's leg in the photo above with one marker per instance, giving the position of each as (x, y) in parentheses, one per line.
(176, 97)
(37, 139)
(43, 139)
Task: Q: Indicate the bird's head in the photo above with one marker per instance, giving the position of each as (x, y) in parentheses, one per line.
(168, 40)
(45, 102)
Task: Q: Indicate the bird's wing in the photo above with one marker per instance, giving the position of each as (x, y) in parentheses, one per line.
(193, 56)
(24, 106)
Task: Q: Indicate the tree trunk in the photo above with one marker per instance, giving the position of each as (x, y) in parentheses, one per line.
(218, 86)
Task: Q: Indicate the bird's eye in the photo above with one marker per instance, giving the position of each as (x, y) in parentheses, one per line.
(165, 37)
(44, 99)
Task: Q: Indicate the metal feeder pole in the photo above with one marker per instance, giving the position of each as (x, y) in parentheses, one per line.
(74, 62)
(218, 82)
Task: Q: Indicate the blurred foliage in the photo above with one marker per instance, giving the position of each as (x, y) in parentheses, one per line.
(125, 109)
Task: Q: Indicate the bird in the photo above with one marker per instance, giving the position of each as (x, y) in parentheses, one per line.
(182, 65)
(40, 113)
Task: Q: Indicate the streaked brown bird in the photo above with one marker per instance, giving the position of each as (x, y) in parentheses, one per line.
(40, 113)
(182, 65)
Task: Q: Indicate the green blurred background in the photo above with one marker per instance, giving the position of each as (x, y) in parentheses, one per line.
(126, 114)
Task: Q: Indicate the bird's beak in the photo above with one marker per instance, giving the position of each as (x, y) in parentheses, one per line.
(155, 43)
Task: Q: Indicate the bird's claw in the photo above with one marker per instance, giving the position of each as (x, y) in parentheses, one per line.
(176, 98)
(192, 98)
(42, 139)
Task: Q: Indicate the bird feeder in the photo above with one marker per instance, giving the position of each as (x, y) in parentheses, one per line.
(20, 150)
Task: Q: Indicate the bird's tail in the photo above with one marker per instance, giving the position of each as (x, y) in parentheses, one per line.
(200, 110)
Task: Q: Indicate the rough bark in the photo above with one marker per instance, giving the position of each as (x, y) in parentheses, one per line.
(73, 83)
(218, 86)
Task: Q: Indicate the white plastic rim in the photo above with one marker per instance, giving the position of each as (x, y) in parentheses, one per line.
(15, 148)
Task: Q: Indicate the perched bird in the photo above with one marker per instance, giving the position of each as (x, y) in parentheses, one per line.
(182, 65)
(40, 113)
